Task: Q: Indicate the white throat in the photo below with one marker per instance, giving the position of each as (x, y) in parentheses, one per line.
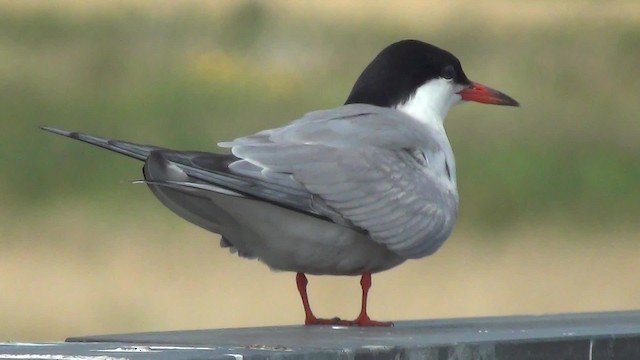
(432, 101)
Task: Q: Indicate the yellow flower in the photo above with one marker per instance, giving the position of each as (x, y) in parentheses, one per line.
(227, 69)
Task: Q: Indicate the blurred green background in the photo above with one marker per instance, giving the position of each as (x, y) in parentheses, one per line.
(549, 192)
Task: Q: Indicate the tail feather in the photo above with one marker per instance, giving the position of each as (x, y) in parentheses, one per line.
(136, 151)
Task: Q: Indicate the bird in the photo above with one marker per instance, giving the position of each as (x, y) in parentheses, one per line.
(353, 190)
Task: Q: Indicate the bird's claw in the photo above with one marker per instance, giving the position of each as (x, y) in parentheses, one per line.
(361, 321)
(336, 321)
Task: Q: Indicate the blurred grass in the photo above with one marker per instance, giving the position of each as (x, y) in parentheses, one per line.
(549, 192)
(90, 275)
(192, 78)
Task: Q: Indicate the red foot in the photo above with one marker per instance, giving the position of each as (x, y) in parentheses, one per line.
(332, 322)
(364, 321)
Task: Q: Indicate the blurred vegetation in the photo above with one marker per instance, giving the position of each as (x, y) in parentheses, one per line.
(549, 191)
(192, 78)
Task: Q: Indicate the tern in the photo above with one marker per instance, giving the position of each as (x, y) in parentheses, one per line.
(353, 190)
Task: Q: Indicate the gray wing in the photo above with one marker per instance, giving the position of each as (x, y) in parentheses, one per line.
(373, 167)
(202, 168)
(205, 171)
(370, 168)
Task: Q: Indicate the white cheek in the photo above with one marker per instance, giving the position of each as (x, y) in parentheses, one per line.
(432, 101)
(455, 99)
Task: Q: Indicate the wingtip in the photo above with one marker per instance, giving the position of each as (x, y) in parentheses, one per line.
(55, 130)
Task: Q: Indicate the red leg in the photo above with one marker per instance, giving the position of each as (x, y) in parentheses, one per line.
(309, 318)
(301, 281)
(363, 319)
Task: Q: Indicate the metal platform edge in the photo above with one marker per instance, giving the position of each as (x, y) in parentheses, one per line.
(592, 336)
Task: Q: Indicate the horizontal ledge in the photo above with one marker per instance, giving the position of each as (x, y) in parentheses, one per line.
(405, 333)
(606, 335)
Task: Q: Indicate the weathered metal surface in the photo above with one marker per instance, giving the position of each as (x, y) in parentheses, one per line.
(593, 336)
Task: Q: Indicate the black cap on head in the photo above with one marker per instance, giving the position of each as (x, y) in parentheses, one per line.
(397, 72)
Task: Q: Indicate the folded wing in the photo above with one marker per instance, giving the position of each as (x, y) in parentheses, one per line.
(372, 167)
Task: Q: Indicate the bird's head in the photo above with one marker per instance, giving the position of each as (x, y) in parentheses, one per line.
(421, 80)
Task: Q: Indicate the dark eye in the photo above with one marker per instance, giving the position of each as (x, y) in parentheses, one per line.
(448, 72)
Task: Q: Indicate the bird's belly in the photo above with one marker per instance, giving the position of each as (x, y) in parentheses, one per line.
(291, 241)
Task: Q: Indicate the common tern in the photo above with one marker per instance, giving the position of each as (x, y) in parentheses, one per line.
(353, 190)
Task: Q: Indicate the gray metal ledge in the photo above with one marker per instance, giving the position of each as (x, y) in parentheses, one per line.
(593, 336)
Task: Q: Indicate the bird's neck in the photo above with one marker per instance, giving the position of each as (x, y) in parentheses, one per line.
(430, 104)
